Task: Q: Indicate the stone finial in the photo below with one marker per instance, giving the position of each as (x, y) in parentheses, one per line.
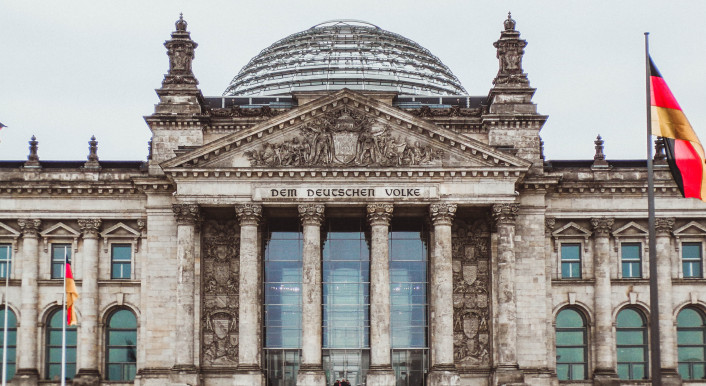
(509, 22)
(664, 225)
(181, 23)
(92, 162)
(187, 214)
(505, 213)
(29, 226)
(311, 214)
(510, 49)
(180, 49)
(602, 225)
(442, 213)
(90, 227)
(33, 157)
(541, 148)
(380, 214)
(659, 157)
(599, 157)
(249, 214)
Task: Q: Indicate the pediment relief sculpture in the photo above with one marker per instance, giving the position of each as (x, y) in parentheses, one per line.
(344, 137)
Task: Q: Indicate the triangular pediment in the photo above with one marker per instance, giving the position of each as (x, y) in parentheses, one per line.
(631, 229)
(8, 232)
(60, 230)
(346, 130)
(693, 228)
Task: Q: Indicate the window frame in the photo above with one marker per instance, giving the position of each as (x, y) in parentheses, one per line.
(640, 260)
(54, 262)
(47, 346)
(11, 360)
(129, 261)
(645, 345)
(6, 260)
(585, 346)
(579, 246)
(684, 261)
(108, 346)
(702, 345)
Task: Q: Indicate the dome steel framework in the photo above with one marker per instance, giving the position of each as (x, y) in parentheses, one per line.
(344, 54)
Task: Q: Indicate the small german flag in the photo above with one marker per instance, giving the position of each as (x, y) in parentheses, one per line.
(71, 296)
(685, 154)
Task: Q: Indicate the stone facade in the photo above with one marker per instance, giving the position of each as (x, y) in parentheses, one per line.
(193, 219)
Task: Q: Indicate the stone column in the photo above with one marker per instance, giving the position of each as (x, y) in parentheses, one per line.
(311, 371)
(27, 364)
(187, 216)
(249, 311)
(380, 374)
(604, 372)
(442, 371)
(504, 216)
(88, 371)
(663, 229)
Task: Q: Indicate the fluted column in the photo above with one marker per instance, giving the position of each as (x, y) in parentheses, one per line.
(27, 363)
(380, 374)
(443, 371)
(663, 229)
(311, 371)
(88, 371)
(250, 320)
(604, 370)
(187, 216)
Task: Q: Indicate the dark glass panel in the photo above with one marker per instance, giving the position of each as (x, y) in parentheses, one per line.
(630, 318)
(569, 318)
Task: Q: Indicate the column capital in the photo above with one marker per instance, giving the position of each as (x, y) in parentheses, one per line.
(90, 227)
(187, 214)
(442, 213)
(249, 214)
(311, 214)
(380, 214)
(602, 226)
(505, 213)
(664, 225)
(29, 226)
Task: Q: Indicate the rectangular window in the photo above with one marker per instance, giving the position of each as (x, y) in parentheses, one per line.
(60, 253)
(631, 260)
(570, 261)
(691, 259)
(120, 261)
(5, 260)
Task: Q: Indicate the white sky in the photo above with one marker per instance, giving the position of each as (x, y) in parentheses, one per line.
(72, 69)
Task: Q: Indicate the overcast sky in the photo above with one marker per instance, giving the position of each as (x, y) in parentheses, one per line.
(72, 69)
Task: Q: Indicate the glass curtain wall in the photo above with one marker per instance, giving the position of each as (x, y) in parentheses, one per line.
(346, 313)
(408, 301)
(283, 301)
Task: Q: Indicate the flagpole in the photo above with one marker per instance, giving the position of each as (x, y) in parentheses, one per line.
(656, 355)
(7, 311)
(63, 328)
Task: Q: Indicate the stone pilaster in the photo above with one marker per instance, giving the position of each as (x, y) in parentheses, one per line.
(380, 374)
(249, 316)
(604, 373)
(663, 229)
(88, 369)
(442, 371)
(27, 364)
(505, 216)
(187, 216)
(311, 371)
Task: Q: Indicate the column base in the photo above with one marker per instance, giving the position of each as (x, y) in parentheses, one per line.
(311, 375)
(670, 377)
(87, 377)
(184, 375)
(381, 376)
(249, 375)
(26, 377)
(508, 375)
(605, 377)
(443, 375)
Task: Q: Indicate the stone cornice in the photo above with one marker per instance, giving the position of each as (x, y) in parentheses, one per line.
(442, 213)
(311, 214)
(379, 214)
(249, 214)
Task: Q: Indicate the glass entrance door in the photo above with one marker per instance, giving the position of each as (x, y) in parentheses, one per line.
(351, 365)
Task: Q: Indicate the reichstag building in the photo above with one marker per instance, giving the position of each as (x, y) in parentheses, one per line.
(347, 210)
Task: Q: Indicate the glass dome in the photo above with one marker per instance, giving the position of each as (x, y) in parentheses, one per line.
(344, 54)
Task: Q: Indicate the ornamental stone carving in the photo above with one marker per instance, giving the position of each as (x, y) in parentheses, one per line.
(187, 214)
(442, 213)
(510, 50)
(549, 224)
(380, 214)
(664, 225)
(90, 227)
(220, 270)
(311, 214)
(602, 226)
(249, 214)
(471, 293)
(180, 49)
(505, 213)
(342, 138)
(29, 227)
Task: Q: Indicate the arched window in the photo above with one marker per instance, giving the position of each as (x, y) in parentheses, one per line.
(631, 338)
(121, 346)
(53, 347)
(691, 343)
(11, 341)
(571, 348)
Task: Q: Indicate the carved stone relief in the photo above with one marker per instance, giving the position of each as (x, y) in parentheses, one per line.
(471, 292)
(220, 269)
(343, 137)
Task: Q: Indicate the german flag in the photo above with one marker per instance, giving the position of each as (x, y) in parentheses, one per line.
(685, 154)
(71, 296)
